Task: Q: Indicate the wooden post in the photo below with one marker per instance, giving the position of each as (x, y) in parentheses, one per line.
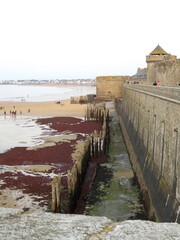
(95, 143)
(58, 191)
(69, 180)
(100, 143)
(92, 145)
(53, 204)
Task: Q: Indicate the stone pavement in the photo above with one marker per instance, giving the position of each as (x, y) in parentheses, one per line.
(16, 224)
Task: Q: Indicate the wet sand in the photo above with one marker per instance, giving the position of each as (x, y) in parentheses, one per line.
(59, 108)
(26, 174)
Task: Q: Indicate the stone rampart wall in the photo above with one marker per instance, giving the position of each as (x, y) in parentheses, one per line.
(163, 68)
(151, 126)
(167, 72)
(109, 87)
(167, 92)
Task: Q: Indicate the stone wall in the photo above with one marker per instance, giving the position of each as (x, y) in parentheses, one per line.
(163, 68)
(151, 126)
(109, 87)
(163, 91)
(177, 72)
(16, 224)
(167, 72)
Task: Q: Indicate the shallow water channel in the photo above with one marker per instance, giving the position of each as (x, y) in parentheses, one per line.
(114, 193)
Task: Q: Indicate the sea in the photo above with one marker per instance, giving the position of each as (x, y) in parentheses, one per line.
(38, 93)
(23, 131)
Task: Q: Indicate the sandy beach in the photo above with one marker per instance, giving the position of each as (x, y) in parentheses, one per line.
(26, 173)
(60, 108)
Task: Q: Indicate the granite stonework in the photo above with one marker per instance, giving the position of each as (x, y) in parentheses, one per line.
(151, 123)
(14, 224)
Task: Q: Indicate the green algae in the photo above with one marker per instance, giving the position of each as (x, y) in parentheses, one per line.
(114, 193)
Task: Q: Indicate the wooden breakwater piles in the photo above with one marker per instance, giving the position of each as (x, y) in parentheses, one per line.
(89, 98)
(67, 189)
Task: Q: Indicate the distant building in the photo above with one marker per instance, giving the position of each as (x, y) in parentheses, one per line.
(140, 76)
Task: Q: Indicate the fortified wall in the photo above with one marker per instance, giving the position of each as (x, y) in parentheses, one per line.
(168, 72)
(163, 67)
(150, 122)
(109, 87)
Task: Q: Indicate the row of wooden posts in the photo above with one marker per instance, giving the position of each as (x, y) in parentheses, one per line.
(77, 100)
(94, 145)
(97, 113)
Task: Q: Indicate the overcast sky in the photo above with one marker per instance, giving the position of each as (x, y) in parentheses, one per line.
(49, 39)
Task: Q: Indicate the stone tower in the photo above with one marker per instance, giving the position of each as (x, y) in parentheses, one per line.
(162, 67)
(110, 87)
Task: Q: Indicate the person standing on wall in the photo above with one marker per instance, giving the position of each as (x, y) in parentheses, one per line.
(158, 83)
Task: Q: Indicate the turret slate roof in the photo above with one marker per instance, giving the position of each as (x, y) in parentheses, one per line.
(158, 51)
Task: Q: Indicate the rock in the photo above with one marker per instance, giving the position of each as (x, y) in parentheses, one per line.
(125, 182)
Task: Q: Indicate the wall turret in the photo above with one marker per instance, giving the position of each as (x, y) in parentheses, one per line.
(161, 67)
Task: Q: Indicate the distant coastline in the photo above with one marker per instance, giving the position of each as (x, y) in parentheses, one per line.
(42, 92)
(56, 82)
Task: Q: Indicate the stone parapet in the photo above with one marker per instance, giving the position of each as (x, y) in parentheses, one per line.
(156, 58)
(162, 91)
(152, 123)
(43, 225)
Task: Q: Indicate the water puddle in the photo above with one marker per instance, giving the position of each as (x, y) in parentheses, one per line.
(21, 131)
